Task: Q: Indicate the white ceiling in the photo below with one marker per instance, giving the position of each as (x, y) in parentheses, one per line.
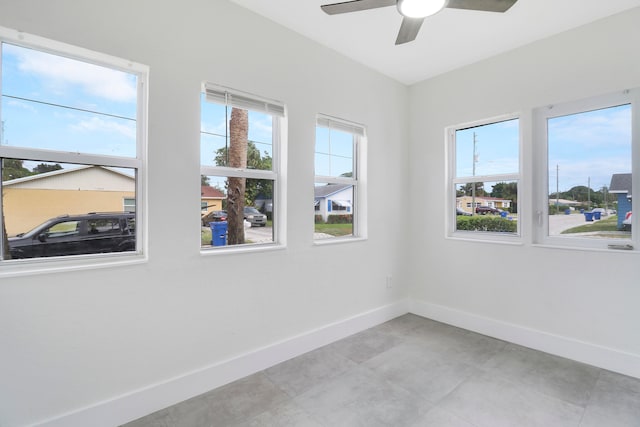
(449, 40)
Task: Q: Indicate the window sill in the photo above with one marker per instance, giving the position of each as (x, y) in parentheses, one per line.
(583, 248)
(239, 249)
(338, 240)
(27, 267)
(485, 238)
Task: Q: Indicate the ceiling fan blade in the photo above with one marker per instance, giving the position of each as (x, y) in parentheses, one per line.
(409, 30)
(484, 5)
(355, 6)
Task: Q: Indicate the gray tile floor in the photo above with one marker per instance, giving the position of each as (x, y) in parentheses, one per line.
(412, 372)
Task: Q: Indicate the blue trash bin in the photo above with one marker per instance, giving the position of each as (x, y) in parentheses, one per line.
(503, 214)
(588, 216)
(218, 233)
(597, 215)
(581, 211)
(567, 211)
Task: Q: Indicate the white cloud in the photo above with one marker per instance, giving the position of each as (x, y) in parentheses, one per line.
(96, 124)
(96, 80)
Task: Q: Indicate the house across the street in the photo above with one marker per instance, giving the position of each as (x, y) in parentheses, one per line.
(621, 186)
(333, 199)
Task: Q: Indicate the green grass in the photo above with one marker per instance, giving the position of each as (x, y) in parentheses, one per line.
(335, 229)
(205, 237)
(608, 224)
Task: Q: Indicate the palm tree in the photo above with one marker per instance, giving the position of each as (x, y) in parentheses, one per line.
(239, 131)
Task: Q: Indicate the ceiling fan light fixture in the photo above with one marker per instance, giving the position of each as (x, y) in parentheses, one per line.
(420, 8)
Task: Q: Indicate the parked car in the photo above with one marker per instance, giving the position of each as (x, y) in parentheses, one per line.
(626, 222)
(483, 210)
(254, 217)
(90, 233)
(213, 216)
(602, 211)
(462, 212)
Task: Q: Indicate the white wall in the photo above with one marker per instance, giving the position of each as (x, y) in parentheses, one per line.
(578, 304)
(75, 339)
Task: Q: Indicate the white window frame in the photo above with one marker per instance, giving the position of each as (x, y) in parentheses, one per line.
(358, 180)
(232, 97)
(452, 181)
(541, 194)
(137, 163)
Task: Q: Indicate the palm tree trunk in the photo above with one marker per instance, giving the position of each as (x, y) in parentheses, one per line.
(239, 131)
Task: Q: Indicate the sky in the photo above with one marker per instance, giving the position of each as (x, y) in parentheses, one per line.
(57, 103)
(589, 147)
(52, 102)
(333, 152)
(496, 150)
(583, 148)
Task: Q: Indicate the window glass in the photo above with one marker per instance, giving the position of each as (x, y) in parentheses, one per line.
(485, 176)
(589, 172)
(56, 103)
(257, 213)
(71, 145)
(239, 173)
(336, 201)
(333, 210)
(45, 191)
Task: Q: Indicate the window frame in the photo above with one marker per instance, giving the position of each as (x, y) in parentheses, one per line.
(540, 221)
(357, 180)
(137, 163)
(452, 181)
(277, 109)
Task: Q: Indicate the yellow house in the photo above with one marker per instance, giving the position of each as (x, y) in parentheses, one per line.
(464, 202)
(210, 199)
(29, 201)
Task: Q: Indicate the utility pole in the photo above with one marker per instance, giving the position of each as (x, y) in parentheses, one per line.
(557, 187)
(473, 184)
(589, 193)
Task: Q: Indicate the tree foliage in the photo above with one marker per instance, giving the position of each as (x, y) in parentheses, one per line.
(467, 190)
(45, 167)
(14, 169)
(507, 191)
(254, 187)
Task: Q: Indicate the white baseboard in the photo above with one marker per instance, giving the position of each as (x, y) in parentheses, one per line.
(138, 403)
(592, 354)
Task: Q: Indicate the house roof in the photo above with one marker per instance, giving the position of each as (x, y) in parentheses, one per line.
(621, 183)
(329, 189)
(73, 170)
(209, 192)
(83, 178)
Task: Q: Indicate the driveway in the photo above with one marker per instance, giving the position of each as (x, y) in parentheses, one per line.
(559, 223)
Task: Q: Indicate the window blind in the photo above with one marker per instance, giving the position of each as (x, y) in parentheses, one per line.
(222, 95)
(332, 123)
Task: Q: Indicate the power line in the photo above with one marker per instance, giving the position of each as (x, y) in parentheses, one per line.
(69, 108)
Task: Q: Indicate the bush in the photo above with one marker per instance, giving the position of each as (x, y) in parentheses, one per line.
(553, 209)
(340, 219)
(318, 219)
(486, 223)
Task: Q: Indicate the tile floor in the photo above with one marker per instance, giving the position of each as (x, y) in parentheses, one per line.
(412, 372)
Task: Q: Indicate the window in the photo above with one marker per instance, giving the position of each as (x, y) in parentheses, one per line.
(585, 160)
(484, 177)
(129, 204)
(72, 141)
(338, 204)
(240, 146)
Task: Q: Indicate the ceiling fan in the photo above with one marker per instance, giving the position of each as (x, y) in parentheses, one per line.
(414, 11)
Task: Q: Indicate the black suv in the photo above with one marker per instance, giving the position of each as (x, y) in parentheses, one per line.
(90, 233)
